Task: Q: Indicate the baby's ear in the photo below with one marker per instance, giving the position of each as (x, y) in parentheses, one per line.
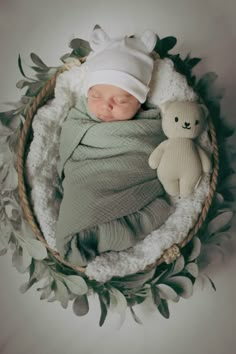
(149, 39)
(98, 38)
(205, 110)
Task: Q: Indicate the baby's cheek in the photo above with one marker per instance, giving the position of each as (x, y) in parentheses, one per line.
(92, 107)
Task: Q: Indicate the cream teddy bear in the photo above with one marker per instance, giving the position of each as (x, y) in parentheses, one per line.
(179, 160)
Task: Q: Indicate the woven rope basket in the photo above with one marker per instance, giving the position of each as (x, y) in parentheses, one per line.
(47, 92)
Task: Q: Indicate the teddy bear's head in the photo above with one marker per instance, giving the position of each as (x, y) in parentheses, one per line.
(183, 119)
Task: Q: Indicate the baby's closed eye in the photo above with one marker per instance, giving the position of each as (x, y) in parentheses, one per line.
(121, 100)
(95, 96)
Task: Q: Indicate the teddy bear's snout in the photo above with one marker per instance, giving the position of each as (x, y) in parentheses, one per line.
(186, 125)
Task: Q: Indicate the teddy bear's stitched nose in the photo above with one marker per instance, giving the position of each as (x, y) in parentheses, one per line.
(186, 124)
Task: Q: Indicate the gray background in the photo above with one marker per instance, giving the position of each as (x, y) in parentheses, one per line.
(206, 322)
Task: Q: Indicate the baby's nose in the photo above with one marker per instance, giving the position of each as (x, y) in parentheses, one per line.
(107, 105)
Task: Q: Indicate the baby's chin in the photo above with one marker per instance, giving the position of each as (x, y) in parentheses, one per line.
(110, 118)
(105, 118)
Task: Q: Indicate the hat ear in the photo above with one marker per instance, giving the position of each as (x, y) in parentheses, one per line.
(149, 39)
(205, 110)
(98, 38)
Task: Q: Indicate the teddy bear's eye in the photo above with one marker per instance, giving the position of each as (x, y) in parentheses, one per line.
(197, 122)
(176, 119)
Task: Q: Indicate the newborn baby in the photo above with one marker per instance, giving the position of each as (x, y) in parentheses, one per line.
(112, 199)
(111, 103)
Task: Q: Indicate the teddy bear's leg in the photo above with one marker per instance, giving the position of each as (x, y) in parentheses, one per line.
(187, 185)
(172, 187)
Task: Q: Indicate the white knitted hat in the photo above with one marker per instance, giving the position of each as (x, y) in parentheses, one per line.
(123, 62)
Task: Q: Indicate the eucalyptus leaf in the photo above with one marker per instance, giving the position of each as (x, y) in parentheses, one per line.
(39, 70)
(46, 292)
(5, 234)
(34, 89)
(182, 285)
(80, 46)
(3, 251)
(199, 282)
(61, 293)
(219, 222)
(81, 305)
(213, 253)
(135, 317)
(26, 286)
(43, 76)
(136, 280)
(12, 210)
(47, 75)
(211, 282)
(193, 62)
(11, 180)
(26, 257)
(155, 295)
(202, 280)
(179, 265)
(64, 57)
(3, 173)
(5, 130)
(103, 307)
(118, 303)
(25, 100)
(206, 80)
(167, 293)
(164, 308)
(20, 66)
(219, 238)
(164, 45)
(192, 269)
(196, 249)
(6, 117)
(76, 284)
(35, 248)
(26, 231)
(22, 83)
(218, 199)
(35, 58)
(40, 270)
(52, 298)
(21, 259)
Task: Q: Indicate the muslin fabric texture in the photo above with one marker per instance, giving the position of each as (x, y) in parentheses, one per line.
(107, 182)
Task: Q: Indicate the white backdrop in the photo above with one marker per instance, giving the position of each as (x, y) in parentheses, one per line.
(206, 322)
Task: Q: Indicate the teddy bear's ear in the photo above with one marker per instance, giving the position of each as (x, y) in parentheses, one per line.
(164, 106)
(149, 39)
(98, 38)
(204, 110)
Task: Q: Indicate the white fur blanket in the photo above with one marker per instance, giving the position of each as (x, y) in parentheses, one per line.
(166, 85)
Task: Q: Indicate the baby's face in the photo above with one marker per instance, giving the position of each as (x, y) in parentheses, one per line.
(111, 103)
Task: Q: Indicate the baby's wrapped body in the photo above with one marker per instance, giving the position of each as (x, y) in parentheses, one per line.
(112, 199)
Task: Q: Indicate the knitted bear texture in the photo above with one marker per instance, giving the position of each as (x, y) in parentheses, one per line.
(179, 160)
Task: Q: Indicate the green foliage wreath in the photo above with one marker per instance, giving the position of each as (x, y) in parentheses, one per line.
(166, 282)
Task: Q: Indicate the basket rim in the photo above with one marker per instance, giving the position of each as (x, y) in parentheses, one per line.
(172, 252)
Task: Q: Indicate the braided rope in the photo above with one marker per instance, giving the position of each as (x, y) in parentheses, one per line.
(170, 254)
(22, 183)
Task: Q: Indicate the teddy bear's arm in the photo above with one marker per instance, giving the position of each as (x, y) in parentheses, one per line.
(156, 155)
(206, 162)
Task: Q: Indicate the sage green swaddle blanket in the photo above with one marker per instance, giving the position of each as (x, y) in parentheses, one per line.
(108, 186)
